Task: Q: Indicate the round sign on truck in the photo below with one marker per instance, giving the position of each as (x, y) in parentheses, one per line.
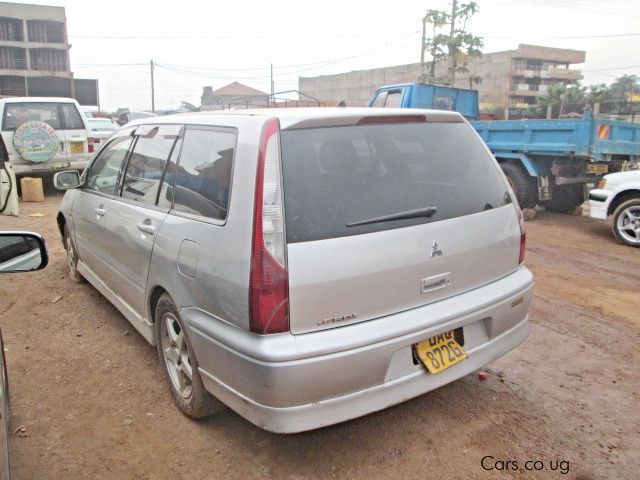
(36, 141)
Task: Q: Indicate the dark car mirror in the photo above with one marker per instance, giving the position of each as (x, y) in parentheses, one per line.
(66, 180)
(22, 252)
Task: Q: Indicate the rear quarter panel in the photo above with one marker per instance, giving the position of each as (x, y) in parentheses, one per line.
(220, 284)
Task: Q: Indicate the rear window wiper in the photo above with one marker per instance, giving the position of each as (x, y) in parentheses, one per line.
(417, 213)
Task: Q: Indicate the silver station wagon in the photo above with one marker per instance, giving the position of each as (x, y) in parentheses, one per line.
(303, 267)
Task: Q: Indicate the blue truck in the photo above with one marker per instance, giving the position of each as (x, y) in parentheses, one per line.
(547, 162)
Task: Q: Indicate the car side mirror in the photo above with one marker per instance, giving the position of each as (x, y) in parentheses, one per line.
(22, 252)
(66, 180)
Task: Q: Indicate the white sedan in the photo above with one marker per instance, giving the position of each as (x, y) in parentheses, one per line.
(618, 195)
(101, 129)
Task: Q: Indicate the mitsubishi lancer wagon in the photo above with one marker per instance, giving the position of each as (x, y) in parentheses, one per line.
(303, 266)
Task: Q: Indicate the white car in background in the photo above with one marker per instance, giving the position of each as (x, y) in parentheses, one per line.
(618, 195)
(101, 129)
(45, 134)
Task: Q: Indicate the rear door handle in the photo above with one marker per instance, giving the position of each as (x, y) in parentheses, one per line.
(147, 228)
(100, 211)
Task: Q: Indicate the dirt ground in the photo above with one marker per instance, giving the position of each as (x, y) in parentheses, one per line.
(89, 392)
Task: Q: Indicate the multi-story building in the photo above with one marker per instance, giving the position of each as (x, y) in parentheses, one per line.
(34, 51)
(508, 81)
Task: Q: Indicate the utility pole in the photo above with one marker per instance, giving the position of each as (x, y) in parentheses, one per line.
(422, 49)
(452, 60)
(272, 87)
(153, 92)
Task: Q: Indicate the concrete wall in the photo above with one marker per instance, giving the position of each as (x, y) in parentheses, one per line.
(356, 87)
(27, 11)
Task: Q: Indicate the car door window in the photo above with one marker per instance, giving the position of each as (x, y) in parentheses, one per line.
(146, 165)
(202, 179)
(104, 173)
(71, 117)
(393, 99)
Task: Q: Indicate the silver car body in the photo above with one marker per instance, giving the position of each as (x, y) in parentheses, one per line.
(357, 304)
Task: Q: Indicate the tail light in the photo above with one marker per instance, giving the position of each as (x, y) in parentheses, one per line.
(268, 279)
(523, 232)
(521, 222)
(90, 144)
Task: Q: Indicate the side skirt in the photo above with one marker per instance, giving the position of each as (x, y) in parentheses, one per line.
(145, 328)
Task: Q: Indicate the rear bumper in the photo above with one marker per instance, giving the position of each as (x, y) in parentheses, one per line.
(42, 168)
(599, 203)
(289, 383)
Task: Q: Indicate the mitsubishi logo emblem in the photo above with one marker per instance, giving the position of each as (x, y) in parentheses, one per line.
(436, 252)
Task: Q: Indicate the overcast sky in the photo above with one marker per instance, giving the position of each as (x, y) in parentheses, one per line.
(209, 42)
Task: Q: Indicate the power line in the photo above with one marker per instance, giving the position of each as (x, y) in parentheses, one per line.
(114, 36)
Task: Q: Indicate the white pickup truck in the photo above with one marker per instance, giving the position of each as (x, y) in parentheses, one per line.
(618, 195)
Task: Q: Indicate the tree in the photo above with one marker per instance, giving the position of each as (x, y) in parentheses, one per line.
(434, 44)
(562, 99)
(457, 46)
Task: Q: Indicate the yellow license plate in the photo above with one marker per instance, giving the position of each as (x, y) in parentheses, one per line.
(597, 168)
(77, 147)
(440, 352)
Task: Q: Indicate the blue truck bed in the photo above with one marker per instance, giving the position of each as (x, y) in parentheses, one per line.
(586, 137)
(546, 161)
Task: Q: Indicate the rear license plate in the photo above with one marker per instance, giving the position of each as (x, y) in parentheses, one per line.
(77, 147)
(597, 168)
(440, 352)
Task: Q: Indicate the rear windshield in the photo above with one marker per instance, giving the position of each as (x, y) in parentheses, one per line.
(339, 175)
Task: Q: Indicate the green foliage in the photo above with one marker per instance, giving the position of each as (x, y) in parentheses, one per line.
(451, 43)
(574, 97)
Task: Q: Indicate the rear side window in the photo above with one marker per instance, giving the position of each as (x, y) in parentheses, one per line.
(71, 117)
(146, 165)
(340, 175)
(104, 172)
(15, 114)
(202, 178)
(393, 99)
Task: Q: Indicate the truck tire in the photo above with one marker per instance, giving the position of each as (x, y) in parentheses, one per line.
(565, 198)
(524, 185)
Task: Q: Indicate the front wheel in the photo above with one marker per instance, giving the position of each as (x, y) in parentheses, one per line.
(626, 222)
(179, 363)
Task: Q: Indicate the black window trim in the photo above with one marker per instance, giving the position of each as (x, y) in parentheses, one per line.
(202, 218)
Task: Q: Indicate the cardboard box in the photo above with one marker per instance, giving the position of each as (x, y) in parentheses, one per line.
(32, 190)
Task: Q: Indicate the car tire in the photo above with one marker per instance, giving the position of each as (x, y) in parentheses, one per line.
(565, 198)
(626, 222)
(179, 363)
(524, 185)
(72, 257)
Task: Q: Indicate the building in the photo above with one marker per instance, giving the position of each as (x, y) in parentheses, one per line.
(234, 95)
(34, 54)
(510, 81)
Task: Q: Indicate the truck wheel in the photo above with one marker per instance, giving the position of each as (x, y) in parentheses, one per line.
(626, 222)
(565, 198)
(179, 363)
(524, 185)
